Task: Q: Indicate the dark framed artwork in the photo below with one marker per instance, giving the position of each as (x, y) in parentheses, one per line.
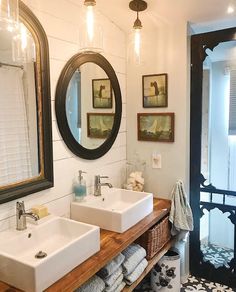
(158, 127)
(99, 125)
(155, 90)
(102, 93)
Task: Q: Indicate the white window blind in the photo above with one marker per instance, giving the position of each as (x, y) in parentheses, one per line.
(232, 103)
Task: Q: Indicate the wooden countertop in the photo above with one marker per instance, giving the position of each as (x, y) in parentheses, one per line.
(111, 244)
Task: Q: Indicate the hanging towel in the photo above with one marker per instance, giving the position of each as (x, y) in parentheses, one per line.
(109, 281)
(181, 215)
(116, 284)
(95, 284)
(133, 256)
(111, 267)
(131, 278)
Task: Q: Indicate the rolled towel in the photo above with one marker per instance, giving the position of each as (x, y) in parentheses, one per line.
(121, 287)
(94, 284)
(115, 285)
(111, 267)
(109, 281)
(133, 256)
(131, 278)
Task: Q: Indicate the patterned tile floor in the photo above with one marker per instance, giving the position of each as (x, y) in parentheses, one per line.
(193, 284)
(218, 256)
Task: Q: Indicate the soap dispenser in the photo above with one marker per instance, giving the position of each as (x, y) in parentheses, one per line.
(79, 187)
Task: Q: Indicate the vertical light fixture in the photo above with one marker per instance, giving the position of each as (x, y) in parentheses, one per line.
(137, 6)
(91, 36)
(9, 14)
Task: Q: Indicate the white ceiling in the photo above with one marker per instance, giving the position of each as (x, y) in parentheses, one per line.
(159, 11)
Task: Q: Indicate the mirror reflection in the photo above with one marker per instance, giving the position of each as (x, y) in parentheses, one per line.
(19, 142)
(89, 105)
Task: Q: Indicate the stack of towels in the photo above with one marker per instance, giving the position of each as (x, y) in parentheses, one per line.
(112, 274)
(123, 269)
(134, 263)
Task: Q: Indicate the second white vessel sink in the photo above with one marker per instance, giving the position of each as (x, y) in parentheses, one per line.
(116, 209)
(34, 259)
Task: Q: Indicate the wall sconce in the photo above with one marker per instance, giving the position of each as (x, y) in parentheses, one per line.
(91, 36)
(137, 6)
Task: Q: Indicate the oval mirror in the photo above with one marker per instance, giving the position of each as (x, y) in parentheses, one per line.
(26, 164)
(88, 105)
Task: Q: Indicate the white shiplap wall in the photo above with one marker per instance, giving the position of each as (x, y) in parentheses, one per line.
(61, 20)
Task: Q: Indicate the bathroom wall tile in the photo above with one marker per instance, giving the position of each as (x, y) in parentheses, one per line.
(60, 151)
(118, 63)
(123, 125)
(55, 132)
(58, 28)
(122, 81)
(61, 50)
(53, 110)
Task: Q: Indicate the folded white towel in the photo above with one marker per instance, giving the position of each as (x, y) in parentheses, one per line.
(116, 284)
(120, 287)
(133, 256)
(109, 281)
(111, 267)
(94, 284)
(131, 278)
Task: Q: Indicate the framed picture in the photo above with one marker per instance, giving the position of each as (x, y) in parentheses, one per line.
(99, 125)
(102, 93)
(156, 127)
(155, 90)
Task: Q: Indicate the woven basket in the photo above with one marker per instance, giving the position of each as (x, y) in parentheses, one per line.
(155, 238)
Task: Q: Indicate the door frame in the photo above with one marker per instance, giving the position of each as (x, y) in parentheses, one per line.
(199, 44)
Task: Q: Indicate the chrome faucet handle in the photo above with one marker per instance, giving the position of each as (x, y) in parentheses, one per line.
(98, 178)
(20, 205)
(20, 208)
(21, 216)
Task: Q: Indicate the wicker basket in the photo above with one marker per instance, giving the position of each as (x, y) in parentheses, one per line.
(155, 238)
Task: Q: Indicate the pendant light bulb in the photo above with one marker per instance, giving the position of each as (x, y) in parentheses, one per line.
(91, 38)
(137, 42)
(137, 36)
(9, 11)
(137, 6)
(90, 22)
(90, 18)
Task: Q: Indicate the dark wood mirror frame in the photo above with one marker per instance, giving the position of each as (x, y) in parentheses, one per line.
(72, 65)
(198, 267)
(45, 178)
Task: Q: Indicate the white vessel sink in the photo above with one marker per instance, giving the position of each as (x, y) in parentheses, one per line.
(116, 210)
(67, 243)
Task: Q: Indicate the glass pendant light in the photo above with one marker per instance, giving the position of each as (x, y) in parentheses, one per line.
(23, 46)
(9, 14)
(91, 35)
(137, 6)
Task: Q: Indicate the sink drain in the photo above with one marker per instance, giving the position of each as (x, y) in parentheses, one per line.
(40, 255)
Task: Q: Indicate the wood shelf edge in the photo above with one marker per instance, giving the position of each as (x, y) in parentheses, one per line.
(151, 264)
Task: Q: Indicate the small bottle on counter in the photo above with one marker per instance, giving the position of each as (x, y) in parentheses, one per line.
(79, 187)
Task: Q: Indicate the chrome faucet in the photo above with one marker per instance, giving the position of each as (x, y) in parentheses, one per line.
(98, 185)
(21, 216)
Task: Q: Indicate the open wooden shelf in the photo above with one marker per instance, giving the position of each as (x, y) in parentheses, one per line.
(151, 264)
(112, 243)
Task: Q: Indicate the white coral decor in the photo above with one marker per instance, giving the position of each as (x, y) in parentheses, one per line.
(135, 181)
